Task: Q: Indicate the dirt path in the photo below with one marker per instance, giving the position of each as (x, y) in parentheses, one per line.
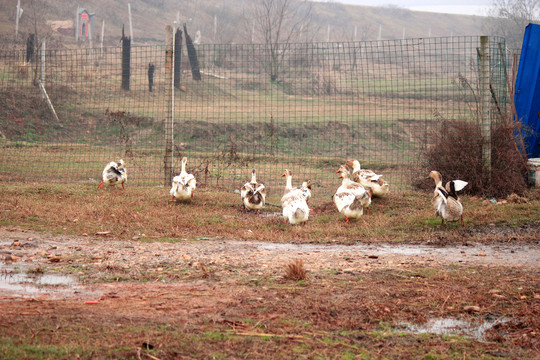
(217, 286)
(29, 249)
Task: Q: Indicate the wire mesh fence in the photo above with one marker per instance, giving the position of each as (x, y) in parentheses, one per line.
(306, 107)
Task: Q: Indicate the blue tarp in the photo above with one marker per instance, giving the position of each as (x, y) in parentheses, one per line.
(527, 96)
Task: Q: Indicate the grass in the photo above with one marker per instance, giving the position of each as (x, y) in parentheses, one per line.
(146, 214)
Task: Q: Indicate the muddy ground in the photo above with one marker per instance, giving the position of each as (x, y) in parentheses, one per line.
(233, 299)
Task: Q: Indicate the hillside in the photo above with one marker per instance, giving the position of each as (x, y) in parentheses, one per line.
(335, 22)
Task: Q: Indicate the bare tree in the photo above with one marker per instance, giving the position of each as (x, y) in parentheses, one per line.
(508, 19)
(277, 24)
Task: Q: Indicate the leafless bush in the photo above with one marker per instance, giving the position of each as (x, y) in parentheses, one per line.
(457, 154)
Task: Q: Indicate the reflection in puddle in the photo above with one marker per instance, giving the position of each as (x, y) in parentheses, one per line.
(475, 329)
(21, 283)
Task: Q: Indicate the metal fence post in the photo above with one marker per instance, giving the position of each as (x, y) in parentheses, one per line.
(485, 100)
(169, 54)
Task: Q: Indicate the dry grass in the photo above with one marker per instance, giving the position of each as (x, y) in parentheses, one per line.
(295, 270)
(145, 213)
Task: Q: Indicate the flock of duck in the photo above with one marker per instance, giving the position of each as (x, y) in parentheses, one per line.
(352, 198)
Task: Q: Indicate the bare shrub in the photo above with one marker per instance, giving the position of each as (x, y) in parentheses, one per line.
(295, 270)
(457, 154)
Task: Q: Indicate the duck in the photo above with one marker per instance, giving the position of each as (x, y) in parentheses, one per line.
(293, 202)
(368, 179)
(253, 193)
(305, 188)
(351, 198)
(114, 173)
(183, 184)
(445, 200)
(437, 178)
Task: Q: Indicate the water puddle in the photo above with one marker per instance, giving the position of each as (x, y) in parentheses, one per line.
(19, 283)
(274, 214)
(523, 255)
(475, 329)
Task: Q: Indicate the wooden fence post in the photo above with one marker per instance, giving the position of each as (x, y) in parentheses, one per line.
(192, 55)
(151, 69)
(177, 57)
(126, 60)
(169, 55)
(485, 101)
(30, 47)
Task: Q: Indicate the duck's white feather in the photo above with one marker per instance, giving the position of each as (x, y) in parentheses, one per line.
(450, 208)
(351, 198)
(305, 189)
(294, 203)
(295, 208)
(114, 173)
(459, 184)
(253, 193)
(183, 184)
(368, 179)
(445, 200)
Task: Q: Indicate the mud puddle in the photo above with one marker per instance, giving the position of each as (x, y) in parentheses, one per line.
(22, 283)
(475, 329)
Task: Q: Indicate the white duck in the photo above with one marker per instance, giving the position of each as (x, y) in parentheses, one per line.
(446, 201)
(183, 184)
(253, 193)
(437, 199)
(351, 198)
(293, 202)
(114, 173)
(305, 188)
(368, 179)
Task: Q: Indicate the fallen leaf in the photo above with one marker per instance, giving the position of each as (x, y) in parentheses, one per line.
(471, 308)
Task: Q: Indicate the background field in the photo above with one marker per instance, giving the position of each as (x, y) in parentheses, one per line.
(377, 101)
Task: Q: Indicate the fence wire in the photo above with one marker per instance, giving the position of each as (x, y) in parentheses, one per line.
(305, 107)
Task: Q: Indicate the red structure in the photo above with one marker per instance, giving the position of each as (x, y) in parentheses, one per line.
(84, 24)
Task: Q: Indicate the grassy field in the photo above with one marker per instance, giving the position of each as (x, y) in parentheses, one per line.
(147, 211)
